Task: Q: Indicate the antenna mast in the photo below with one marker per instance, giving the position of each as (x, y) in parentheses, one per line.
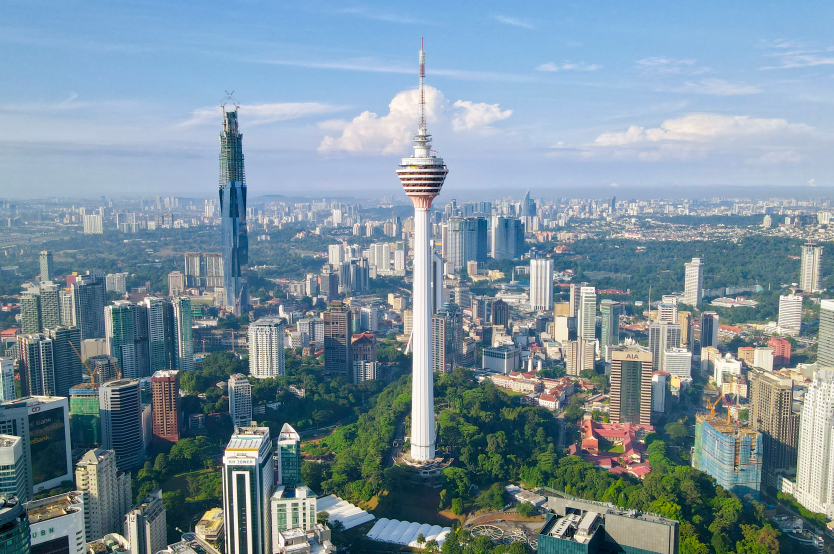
(422, 90)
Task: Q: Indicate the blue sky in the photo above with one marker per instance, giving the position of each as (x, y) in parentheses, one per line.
(118, 98)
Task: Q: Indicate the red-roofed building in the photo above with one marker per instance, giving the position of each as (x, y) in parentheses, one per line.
(549, 401)
(630, 457)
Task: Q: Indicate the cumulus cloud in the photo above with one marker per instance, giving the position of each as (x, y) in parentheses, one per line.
(700, 128)
(392, 133)
(259, 114)
(718, 87)
(567, 66)
(473, 115)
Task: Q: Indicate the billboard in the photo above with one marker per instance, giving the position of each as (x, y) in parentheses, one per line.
(48, 447)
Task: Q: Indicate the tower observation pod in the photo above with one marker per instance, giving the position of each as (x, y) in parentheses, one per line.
(422, 175)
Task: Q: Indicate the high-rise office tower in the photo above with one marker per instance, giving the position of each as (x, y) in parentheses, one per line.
(121, 421)
(12, 472)
(65, 308)
(40, 307)
(667, 310)
(447, 338)
(266, 348)
(88, 306)
(183, 339)
(126, 331)
(772, 414)
(480, 226)
(790, 314)
(454, 243)
(663, 336)
(66, 350)
(115, 282)
(709, 329)
(289, 445)
(145, 525)
(176, 283)
(46, 265)
(436, 285)
(233, 215)
(248, 478)
(107, 493)
(631, 386)
(693, 282)
(579, 356)
(422, 176)
(541, 284)
(814, 471)
(240, 400)
(337, 337)
(573, 305)
(161, 336)
(37, 365)
(507, 238)
(500, 313)
(15, 535)
(685, 321)
(165, 397)
(292, 507)
(43, 424)
(677, 361)
(825, 338)
(810, 266)
(610, 328)
(586, 315)
(467, 241)
(7, 385)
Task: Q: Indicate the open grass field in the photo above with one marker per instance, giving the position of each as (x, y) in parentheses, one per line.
(418, 505)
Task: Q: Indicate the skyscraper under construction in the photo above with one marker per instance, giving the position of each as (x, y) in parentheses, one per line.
(235, 242)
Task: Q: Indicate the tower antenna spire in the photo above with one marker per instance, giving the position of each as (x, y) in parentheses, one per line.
(422, 89)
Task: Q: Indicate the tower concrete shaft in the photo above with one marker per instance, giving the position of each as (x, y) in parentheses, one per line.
(422, 176)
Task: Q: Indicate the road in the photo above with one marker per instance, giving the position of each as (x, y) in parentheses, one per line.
(397, 443)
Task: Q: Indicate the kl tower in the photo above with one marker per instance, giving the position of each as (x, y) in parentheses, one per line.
(422, 175)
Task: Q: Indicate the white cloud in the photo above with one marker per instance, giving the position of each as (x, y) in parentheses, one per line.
(567, 66)
(776, 157)
(391, 133)
(514, 21)
(473, 115)
(718, 87)
(259, 114)
(660, 64)
(370, 133)
(700, 128)
(791, 59)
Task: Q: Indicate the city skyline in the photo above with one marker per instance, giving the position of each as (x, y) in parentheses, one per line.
(534, 97)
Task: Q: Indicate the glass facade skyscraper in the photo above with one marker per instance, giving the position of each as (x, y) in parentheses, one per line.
(234, 240)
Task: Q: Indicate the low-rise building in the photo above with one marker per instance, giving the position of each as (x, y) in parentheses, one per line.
(210, 527)
(579, 526)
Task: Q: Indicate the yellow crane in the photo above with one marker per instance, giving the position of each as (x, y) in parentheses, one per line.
(712, 408)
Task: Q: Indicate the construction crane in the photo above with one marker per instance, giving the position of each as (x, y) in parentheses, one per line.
(712, 408)
(91, 372)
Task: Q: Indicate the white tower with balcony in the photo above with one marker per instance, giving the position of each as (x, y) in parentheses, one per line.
(422, 176)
